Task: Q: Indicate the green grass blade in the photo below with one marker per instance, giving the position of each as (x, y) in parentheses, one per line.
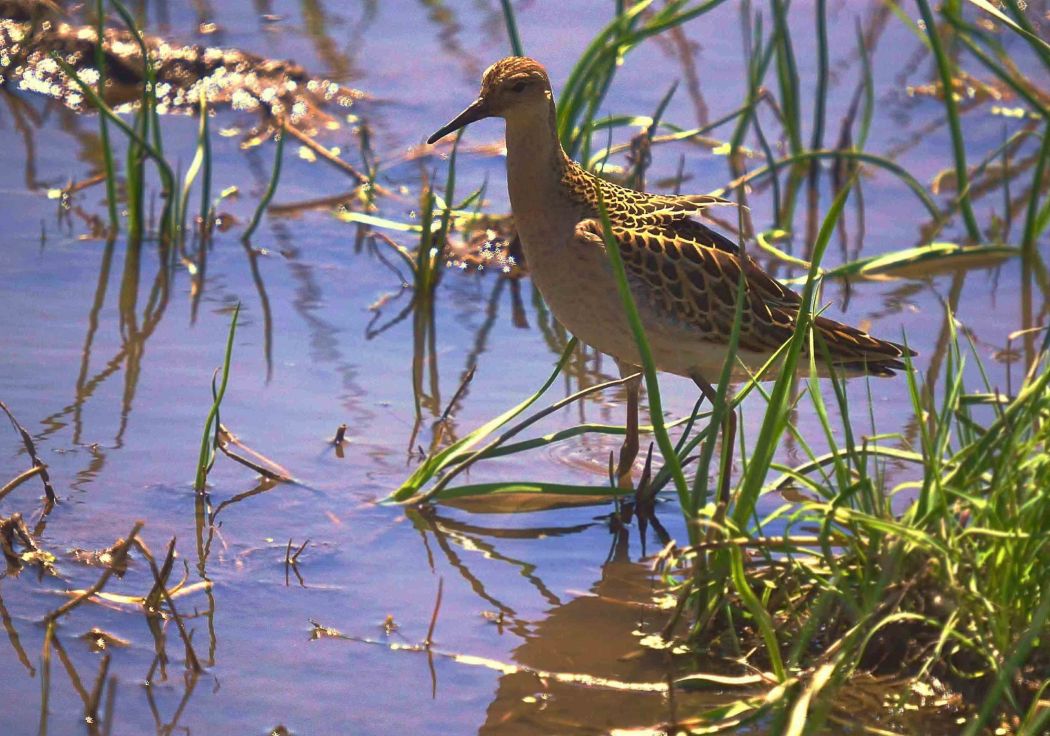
(1026, 32)
(166, 174)
(944, 69)
(869, 90)
(1031, 224)
(271, 188)
(196, 164)
(103, 126)
(528, 488)
(776, 415)
(652, 385)
(820, 96)
(869, 158)
(512, 28)
(204, 459)
(787, 76)
(434, 464)
(462, 462)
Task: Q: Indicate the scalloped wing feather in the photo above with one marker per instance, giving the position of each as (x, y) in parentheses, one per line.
(685, 271)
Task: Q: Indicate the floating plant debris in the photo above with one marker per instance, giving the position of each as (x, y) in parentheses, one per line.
(488, 245)
(231, 78)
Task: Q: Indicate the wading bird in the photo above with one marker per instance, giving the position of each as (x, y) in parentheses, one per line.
(683, 276)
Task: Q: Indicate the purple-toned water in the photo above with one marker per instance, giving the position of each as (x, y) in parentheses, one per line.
(108, 363)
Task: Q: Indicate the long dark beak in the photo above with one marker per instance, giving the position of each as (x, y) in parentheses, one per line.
(477, 110)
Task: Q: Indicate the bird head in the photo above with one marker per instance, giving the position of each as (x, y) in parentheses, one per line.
(512, 87)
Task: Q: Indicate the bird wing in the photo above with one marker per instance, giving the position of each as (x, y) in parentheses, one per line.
(678, 267)
(631, 208)
(634, 208)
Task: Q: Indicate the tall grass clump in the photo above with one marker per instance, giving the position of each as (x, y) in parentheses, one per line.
(139, 148)
(145, 142)
(945, 581)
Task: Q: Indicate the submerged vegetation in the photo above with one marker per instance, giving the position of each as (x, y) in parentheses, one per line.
(919, 558)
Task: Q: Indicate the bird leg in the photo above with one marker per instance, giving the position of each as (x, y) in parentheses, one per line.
(728, 438)
(629, 449)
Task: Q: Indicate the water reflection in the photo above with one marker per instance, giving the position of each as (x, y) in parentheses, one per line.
(479, 539)
(319, 26)
(168, 726)
(449, 32)
(12, 636)
(134, 332)
(253, 255)
(97, 721)
(596, 634)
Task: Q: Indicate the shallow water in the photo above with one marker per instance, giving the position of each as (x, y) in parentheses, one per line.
(108, 359)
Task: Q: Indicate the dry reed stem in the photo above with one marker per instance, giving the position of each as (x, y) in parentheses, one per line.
(20, 479)
(459, 392)
(279, 472)
(77, 186)
(434, 616)
(295, 557)
(31, 449)
(91, 705)
(291, 561)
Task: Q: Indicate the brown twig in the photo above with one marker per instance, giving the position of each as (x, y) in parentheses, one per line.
(77, 186)
(333, 159)
(430, 639)
(152, 600)
(91, 705)
(467, 378)
(441, 424)
(119, 554)
(107, 715)
(31, 449)
(12, 635)
(45, 675)
(287, 561)
(74, 676)
(319, 203)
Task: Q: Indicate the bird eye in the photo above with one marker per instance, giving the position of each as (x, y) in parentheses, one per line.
(520, 86)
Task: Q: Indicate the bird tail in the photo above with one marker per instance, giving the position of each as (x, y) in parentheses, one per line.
(857, 352)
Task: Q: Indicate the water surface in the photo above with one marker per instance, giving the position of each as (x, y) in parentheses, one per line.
(108, 358)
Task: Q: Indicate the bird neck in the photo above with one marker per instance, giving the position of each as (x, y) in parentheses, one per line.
(535, 158)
